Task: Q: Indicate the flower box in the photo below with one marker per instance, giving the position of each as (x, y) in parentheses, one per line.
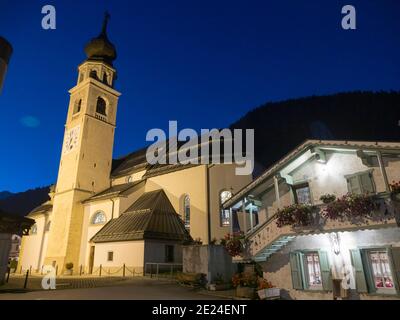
(271, 293)
(245, 292)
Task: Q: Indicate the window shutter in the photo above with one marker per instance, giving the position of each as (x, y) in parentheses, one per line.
(361, 284)
(395, 255)
(367, 183)
(296, 271)
(325, 271)
(353, 185)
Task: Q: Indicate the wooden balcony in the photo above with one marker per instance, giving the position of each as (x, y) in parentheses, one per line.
(268, 238)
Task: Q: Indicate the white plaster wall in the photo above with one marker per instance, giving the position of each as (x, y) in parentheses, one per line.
(277, 268)
(32, 245)
(129, 252)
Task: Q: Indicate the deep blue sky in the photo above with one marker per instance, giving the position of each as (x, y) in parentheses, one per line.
(203, 63)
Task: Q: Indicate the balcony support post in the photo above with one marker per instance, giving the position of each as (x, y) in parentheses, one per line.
(383, 171)
(277, 197)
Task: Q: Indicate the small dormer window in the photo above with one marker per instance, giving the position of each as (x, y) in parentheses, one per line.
(129, 179)
(101, 106)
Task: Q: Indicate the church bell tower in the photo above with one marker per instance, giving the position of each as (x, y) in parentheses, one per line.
(87, 149)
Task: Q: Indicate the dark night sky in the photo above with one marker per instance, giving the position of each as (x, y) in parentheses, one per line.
(203, 63)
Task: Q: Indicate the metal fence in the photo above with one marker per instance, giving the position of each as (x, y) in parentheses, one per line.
(162, 270)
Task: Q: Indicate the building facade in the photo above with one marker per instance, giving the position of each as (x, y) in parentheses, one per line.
(324, 221)
(93, 190)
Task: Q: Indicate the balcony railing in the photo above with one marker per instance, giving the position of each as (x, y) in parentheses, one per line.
(387, 214)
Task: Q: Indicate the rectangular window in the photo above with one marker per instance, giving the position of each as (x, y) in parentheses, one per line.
(376, 270)
(225, 218)
(380, 270)
(360, 183)
(110, 256)
(314, 278)
(302, 193)
(310, 270)
(169, 253)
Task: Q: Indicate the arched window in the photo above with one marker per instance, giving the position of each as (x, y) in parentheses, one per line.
(93, 74)
(34, 229)
(186, 211)
(105, 78)
(77, 106)
(99, 218)
(101, 106)
(129, 179)
(224, 196)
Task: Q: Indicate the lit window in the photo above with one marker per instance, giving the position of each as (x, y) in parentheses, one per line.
(225, 216)
(110, 255)
(99, 218)
(302, 193)
(34, 229)
(313, 271)
(186, 211)
(381, 272)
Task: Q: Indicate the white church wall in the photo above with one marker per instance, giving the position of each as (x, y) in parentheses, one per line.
(35, 246)
(222, 177)
(191, 181)
(130, 253)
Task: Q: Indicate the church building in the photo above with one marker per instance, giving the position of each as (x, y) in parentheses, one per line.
(111, 212)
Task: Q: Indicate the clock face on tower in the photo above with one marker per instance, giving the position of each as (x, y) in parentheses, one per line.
(71, 139)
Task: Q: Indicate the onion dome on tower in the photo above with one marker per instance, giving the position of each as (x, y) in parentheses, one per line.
(101, 48)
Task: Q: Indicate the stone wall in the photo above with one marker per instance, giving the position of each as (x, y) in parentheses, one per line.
(210, 260)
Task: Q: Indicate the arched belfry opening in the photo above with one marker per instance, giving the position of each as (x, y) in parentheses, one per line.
(101, 106)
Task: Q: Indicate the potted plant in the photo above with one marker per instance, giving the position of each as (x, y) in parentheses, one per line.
(245, 285)
(234, 243)
(266, 290)
(395, 188)
(327, 198)
(69, 268)
(296, 215)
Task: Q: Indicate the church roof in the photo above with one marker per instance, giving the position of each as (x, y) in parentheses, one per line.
(42, 208)
(152, 216)
(127, 164)
(101, 48)
(117, 190)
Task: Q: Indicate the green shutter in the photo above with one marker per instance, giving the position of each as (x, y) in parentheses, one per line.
(325, 271)
(353, 185)
(367, 184)
(296, 271)
(395, 255)
(361, 283)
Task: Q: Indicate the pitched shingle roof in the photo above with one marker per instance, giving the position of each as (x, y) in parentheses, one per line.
(117, 190)
(152, 216)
